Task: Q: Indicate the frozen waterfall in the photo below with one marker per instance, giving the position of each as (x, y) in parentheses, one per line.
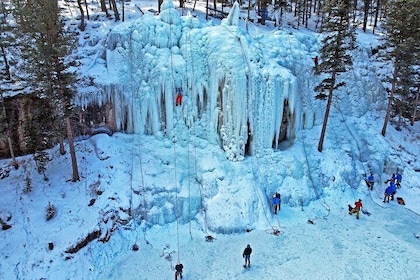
(248, 102)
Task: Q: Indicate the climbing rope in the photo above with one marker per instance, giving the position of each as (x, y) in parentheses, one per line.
(189, 133)
(187, 104)
(174, 143)
(274, 230)
(138, 138)
(321, 201)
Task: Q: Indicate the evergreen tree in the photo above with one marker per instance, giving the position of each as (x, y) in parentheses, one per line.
(5, 77)
(51, 79)
(402, 40)
(338, 41)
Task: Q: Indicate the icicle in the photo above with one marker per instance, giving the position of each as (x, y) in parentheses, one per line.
(233, 17)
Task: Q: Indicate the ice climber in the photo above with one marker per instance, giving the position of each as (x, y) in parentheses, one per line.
(178, 100)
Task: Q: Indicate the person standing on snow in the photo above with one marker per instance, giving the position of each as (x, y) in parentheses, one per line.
(398, 179)
(356, 209)
(390, 192)
(178, 270)
(370, 182)
(392, 179)
(247, 255)
(276, 202)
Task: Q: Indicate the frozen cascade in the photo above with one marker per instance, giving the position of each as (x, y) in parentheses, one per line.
(154, 56)
(251, 93)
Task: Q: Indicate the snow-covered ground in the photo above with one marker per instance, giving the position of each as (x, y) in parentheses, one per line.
(166, 196)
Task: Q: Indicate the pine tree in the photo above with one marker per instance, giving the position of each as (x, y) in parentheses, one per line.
(338, 41)
(402, 40)
(51, 79)
(5, 77)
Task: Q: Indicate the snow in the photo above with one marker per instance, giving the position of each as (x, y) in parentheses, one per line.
(166, 190)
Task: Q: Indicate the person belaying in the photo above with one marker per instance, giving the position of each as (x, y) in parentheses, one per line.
(370, 181)
(276, 202)
(392, 179)
(247, 255)
(178, 270)
(356, 209)
(390, 191)
(398, 178)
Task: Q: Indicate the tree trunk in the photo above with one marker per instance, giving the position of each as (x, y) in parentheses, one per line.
(103, 8)
(82, 16)
(72, 151)
(390, 99)
(6, 63)
(61, 143)
(9, 138)
(327, 113)
(22, 122)
(160, 4)
(365, 14)
(87, 10)
(115, 9)
(378, 5)
(263, 9)
(123, 10)
(416, 103)
(354, 10)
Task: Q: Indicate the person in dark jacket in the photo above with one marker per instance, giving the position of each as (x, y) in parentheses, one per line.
(247, 255)
(178, 270)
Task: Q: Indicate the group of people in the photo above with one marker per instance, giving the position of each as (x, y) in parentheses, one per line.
(246, 255)
(394, 184)
(391, 190)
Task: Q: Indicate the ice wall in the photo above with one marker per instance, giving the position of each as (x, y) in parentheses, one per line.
(244, 90)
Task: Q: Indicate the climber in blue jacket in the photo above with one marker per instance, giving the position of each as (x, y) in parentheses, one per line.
(390, 191)
(398, 179)
(370, 182)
